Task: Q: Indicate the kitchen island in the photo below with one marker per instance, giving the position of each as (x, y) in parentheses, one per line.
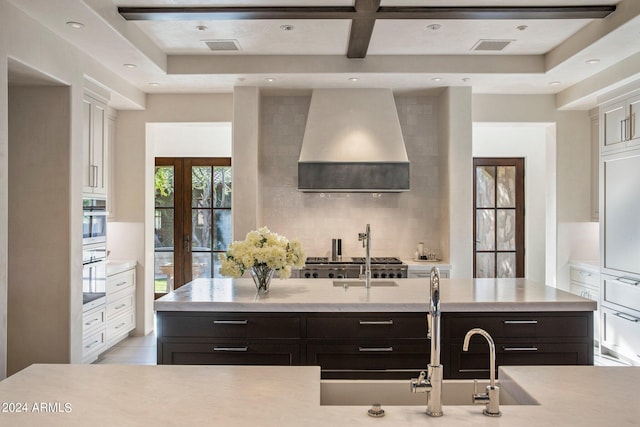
(239, 396)
(380, 332)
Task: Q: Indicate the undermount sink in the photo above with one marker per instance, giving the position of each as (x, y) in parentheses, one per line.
(346, 283)
(398, 393)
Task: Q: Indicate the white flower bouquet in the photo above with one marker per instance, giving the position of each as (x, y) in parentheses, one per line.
(262, 252)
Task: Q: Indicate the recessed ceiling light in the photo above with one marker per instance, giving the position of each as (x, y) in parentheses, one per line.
(270, 79)
(522, 27)
(154, 84)
(592, 61)
(353, 79)
(437, 79)
(434, 27)
(556, 83)
(75, 24)
(129, 65)
(201, 27)
(287, 27)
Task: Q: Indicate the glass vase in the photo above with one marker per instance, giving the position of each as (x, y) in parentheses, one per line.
(262, 276)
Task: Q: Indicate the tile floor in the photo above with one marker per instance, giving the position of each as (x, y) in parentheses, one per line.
(142, 351)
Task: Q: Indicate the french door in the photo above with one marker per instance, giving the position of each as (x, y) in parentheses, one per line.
(498, 221)
(192, 219)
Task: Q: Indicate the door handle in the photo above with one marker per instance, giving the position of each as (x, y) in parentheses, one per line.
(187, 244)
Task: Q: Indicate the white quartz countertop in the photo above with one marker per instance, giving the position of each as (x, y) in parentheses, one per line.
(411, 295)
(249, 396)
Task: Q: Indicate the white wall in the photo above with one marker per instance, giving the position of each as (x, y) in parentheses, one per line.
(134, 169)
(24, 41)
(528, 141)
(190, 139)
(573, 180)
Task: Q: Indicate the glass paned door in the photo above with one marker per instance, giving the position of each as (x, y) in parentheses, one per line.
(499, 217)
(192, 219)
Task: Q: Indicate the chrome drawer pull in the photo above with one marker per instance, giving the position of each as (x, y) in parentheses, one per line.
(520, 322)
(532, 348)
(120, 284)
(627, 317)
(375, 349)
(628, 281)
(230, 322)
(91, 322)
(120, 325)
(472, 370)
(376, 322)
(230, 348)
(92, 344)
(120, 306)
(585, 273)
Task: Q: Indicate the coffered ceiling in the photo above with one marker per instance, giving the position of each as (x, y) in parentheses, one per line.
(434, 44)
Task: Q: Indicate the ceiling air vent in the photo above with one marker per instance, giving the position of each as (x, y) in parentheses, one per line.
(222, 45)
(491, 45)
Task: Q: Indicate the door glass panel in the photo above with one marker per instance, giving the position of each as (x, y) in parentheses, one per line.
(485, 264)
(163, 272)
(223, 229)
(164, 183)
(164, 229)
(506, 230)
(506, 187)
(485, 186)
(485, 226)
(506, 264)
(201, 264)
(201, 226)
(222, 187)
(201, 186)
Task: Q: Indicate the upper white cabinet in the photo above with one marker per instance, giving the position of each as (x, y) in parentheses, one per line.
(94, 147)
(620, 124)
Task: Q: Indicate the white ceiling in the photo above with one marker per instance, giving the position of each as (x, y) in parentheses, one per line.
(403, 54)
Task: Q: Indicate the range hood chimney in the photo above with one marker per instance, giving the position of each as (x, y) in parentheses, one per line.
(353, 143)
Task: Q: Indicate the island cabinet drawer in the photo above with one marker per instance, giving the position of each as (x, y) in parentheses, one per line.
(475, 362)
(228, 353)
(230, 326)
(369, 359)
(621, 292)
(520, 325)
(367, 326)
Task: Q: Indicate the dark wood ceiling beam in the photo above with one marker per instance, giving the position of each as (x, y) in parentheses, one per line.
(362, 29)
(182, 13)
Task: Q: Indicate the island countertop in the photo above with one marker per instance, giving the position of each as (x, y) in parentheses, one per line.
(239, 396)
(411, 295)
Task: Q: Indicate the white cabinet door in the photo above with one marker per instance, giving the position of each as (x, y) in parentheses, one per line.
(94, 147)
(621, 216)
(612, 122)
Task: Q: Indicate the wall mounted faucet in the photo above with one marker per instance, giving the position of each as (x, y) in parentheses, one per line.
(491, 398)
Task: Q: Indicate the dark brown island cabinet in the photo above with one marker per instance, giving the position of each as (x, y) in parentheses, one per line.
(373, 345)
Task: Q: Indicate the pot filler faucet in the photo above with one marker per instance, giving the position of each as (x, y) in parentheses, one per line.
(365, 238)
(431, 382)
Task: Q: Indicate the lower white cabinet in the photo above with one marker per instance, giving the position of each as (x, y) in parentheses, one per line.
(109, 320)
(620, 304)
(121, 305)
(585, 282)
(423, 269)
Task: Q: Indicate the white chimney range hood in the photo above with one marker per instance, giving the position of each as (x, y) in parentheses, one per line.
(353, 143)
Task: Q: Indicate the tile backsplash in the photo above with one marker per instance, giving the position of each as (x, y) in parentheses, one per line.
(398, 220)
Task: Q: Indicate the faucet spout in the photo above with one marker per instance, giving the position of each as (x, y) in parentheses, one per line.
(431, 382)
(491, 398)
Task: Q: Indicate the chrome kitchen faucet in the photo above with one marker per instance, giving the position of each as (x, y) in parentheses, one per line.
(365, 238)
(431, 382)
(491, 398)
